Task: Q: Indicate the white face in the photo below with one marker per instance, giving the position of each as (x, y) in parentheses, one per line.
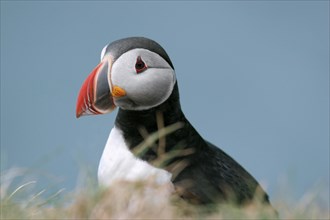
(145, 76)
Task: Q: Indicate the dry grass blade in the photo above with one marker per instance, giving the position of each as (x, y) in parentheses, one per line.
(19, 188)
(152, 138)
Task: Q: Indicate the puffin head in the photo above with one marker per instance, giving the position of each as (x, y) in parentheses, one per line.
(134, 74)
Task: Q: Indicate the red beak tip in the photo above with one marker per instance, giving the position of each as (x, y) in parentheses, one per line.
(79, 114)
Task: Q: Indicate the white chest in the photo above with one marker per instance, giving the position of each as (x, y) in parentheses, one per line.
(118, 163)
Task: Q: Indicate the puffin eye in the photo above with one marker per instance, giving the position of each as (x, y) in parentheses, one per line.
(140, 66)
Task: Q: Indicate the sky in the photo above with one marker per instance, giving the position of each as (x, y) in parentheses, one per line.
(253, 79)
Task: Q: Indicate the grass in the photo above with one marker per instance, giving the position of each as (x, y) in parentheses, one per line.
(142, 200)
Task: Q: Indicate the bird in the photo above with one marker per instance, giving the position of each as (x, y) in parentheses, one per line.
(136, 75)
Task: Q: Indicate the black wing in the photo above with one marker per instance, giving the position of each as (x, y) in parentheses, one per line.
(219, 178)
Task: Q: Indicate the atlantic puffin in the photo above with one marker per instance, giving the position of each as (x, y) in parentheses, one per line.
(137, 76)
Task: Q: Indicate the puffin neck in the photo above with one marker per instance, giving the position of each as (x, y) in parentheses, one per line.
(130, 122)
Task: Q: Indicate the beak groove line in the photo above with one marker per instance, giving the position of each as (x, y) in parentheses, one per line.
(86, 97)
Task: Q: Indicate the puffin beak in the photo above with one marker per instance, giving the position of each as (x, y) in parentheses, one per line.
(95, 94)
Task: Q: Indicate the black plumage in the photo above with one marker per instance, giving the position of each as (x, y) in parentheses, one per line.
(210, 174)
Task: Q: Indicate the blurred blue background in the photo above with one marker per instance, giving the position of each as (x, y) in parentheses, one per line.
(253, 78)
